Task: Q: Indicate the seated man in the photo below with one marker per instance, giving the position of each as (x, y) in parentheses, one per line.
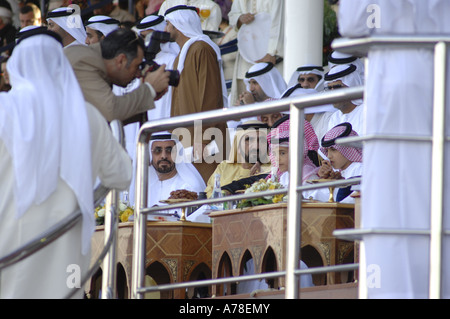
(318, 116)
(264, 83)
(169, 171)
(279, 156)
(338, 58)
(342, 76)
(309, 77)
(249, 147)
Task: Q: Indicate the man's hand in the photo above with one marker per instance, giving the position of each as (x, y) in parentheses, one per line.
(268, 59)
(246, 98)
(325, 170)
(245, 18)
(256, 169)
(158, 79)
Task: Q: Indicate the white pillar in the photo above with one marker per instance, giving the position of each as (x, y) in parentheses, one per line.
(303, 35)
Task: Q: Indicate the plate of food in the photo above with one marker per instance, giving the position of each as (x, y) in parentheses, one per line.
(175, 200)
(180, 196)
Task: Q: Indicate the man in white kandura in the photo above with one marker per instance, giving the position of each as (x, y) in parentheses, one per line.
(342, 76)
(53, 145)
(169, 171)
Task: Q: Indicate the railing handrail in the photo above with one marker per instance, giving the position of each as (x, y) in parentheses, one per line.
(266, 275)
(337, 183)
(296, 105)
(361, 46)
(244, 111)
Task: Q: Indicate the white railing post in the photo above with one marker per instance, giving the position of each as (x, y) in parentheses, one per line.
(293, 236)
(140, 220)
(437, 170)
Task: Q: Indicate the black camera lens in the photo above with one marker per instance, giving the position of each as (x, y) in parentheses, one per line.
(174, 77)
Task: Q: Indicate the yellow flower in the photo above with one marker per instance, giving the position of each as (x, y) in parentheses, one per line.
(277, 198)
(126, 214)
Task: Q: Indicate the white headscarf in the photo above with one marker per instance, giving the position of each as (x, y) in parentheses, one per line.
(268, 77)
(348, 74)
(104, 24)
(151, 22)
(297, 90)
(308, 69)
(185, 169)
(187, 21)
(71, 22)
(338, 58)
(44, 125)
(158, 23)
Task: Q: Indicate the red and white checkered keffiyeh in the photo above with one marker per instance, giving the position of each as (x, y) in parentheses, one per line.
(351, 153)
(310, 143)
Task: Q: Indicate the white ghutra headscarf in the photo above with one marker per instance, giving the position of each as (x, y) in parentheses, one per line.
(187, 21)
(269, 79)
(44, 125)
(348, 74)
(169, 50)
(104, 24)
(70, 20)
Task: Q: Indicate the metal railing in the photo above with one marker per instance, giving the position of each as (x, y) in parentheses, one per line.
(296, 106)
(439, 45)
(60, 228)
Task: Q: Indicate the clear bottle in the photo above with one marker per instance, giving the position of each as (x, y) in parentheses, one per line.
(274, 174)
(217, 193)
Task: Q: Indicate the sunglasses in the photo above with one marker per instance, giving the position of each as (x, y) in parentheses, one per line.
(308, 79)
(334, 87)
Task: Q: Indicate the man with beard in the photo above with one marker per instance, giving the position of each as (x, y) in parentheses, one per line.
(248, 155)
(169, 171)
(263, 83)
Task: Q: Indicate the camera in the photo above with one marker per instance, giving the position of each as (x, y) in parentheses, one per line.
(153, 48)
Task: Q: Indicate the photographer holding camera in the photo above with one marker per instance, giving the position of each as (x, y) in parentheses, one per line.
(117, 60)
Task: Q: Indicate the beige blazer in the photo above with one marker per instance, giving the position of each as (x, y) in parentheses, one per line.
(90, 70)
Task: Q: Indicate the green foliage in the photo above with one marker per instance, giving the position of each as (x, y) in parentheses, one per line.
(330, 30)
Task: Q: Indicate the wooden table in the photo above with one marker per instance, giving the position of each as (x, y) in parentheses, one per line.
(176, 252)
(260, 233)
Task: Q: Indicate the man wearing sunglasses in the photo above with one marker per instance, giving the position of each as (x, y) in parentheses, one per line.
(309, 77)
